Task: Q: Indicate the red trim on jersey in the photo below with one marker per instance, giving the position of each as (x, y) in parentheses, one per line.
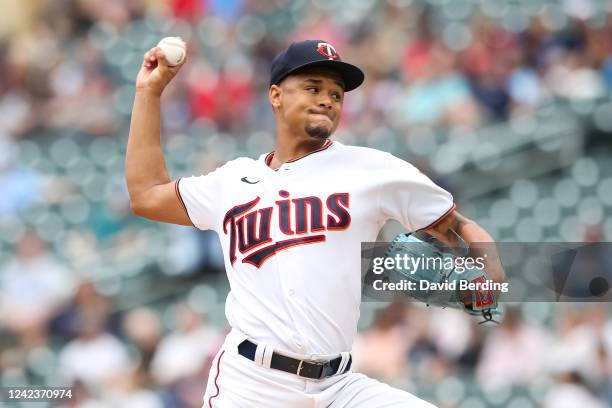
(442, 218)
(216, 377)
(178, 194)
(270, 156)
(325, 146)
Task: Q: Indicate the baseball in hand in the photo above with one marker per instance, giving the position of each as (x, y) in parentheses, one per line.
(174, 50)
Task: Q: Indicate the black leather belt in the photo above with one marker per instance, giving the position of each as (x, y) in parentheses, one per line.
(302, 368)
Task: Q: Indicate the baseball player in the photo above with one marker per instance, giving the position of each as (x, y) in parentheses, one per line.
(290, 225)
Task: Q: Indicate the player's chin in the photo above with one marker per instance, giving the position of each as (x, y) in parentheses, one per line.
(318, 131)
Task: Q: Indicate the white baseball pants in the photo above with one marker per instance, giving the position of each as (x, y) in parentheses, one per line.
(237, 382)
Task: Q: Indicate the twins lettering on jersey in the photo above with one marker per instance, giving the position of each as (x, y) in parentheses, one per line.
(250, 228)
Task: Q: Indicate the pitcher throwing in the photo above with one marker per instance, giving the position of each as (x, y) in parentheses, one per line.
(290, 225)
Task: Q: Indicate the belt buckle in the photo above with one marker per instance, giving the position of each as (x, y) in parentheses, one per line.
(315, 363)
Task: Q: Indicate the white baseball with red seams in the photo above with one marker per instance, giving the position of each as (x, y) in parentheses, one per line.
(291, 241)
(174, 49)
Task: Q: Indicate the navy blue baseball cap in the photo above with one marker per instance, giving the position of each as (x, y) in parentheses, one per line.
(314, 53)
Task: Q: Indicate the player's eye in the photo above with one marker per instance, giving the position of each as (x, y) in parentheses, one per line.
(337, 97)
(312, 89)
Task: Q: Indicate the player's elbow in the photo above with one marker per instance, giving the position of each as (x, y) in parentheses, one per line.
(159, 203)
(136, 208)
(139, 206)
(144, 210)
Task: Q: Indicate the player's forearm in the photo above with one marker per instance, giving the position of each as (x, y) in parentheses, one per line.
(145, 166)
(482, 246)
(456, 228)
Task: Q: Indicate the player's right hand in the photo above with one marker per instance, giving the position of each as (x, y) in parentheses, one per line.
(155, 73)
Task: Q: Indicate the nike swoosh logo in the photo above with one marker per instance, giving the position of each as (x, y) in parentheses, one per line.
(246, 180)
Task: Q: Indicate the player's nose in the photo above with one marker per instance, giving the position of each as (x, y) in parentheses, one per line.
(325, 101)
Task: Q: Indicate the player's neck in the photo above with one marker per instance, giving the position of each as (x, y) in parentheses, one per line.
(293, 148)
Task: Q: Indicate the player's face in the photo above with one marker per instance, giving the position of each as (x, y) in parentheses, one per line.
(310, 102)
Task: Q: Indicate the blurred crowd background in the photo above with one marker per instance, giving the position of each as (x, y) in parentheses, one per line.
(507, 104)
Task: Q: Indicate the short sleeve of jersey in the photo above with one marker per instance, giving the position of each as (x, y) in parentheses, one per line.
(200, 197)
(410, 197)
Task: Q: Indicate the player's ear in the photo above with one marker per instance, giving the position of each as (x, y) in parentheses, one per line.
(274, 95)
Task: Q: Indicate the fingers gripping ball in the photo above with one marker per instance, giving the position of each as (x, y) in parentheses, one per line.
(174, 50)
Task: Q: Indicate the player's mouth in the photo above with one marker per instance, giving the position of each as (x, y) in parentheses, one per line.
(319, 113)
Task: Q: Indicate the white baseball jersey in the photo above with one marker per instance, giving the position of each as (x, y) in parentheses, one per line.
(291, 238)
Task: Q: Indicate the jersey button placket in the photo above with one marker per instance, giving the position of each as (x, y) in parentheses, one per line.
(283, 260)
(282, 265)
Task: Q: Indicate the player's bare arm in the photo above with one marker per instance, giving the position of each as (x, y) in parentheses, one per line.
(152, 192)
(456, 231)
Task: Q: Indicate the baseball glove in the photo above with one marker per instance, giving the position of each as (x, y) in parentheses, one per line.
(438, 280)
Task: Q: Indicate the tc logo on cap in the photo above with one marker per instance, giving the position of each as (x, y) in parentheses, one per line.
(327, 50)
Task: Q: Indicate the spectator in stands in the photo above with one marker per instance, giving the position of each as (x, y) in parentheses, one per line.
(569, 391)
(381, 350)
(187, 350)
(437, 94)
(571, 77)
(125, 389)
(86, 301)
(143, 327)
(33, 287)
(95, 357)
(513, 353)
(21, 187)
(577, 345)
(452, 332)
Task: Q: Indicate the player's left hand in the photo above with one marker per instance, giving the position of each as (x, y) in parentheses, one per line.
(477, 302)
